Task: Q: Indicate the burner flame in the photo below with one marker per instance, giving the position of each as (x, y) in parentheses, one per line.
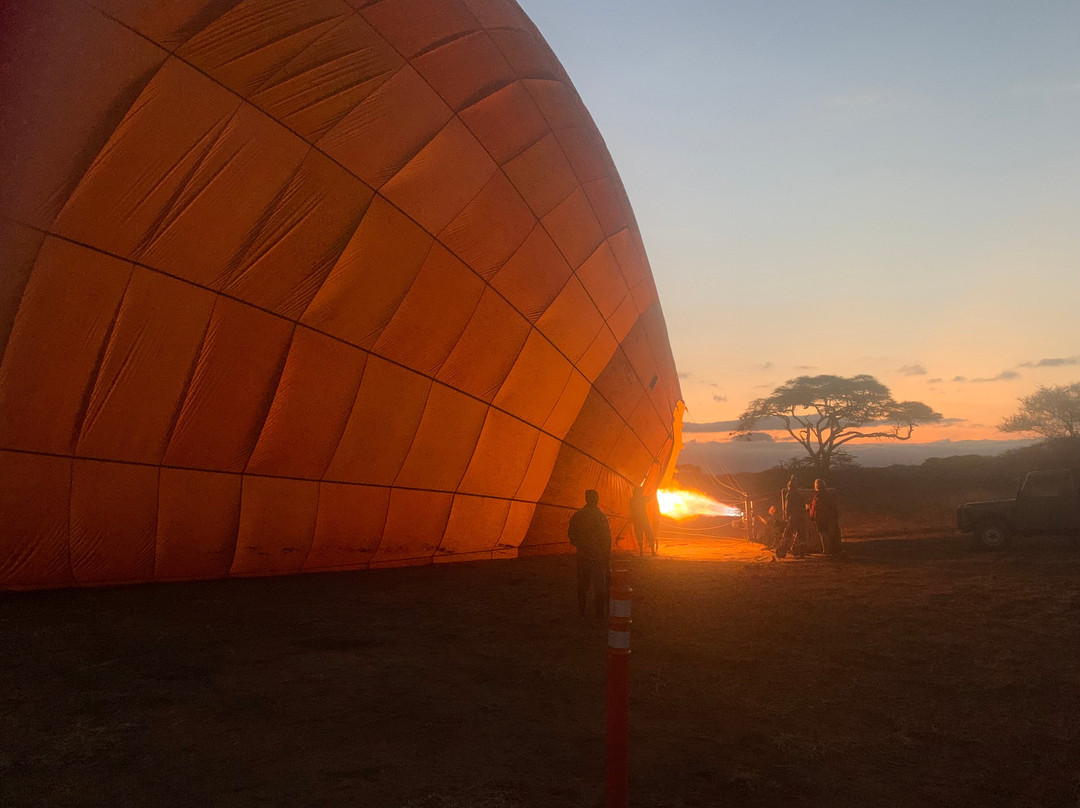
(683, 504)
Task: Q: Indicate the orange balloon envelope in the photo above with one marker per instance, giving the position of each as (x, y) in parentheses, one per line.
(309, 285)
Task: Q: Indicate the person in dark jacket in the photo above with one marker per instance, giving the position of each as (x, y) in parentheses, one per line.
(825, 513)
(798, 526)
(590, 534)
(770, 529)
(639, 517)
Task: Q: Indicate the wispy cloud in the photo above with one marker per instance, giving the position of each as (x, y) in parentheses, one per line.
(959, 378)
(805, 367)
(912, 370)
(718, 397)
(935, 380)
(1054, 362)
(685, 375)
(1004, 376)
(711, 426)
(731, 426)
(766, 366)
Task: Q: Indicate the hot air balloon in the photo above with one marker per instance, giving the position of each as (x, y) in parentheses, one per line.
(297, 285)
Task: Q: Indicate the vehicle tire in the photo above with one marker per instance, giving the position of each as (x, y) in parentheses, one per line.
(991, 535)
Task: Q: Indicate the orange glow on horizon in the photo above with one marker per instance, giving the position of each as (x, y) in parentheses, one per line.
(680, 504)
(925, 433)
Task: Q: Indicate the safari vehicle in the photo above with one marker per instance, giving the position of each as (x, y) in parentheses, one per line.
(1046, 502)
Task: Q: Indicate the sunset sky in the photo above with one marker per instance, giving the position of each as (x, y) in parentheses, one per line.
(848, 187)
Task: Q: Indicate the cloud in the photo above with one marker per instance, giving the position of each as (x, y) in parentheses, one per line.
(767, 366)
(718, 397)
(935, 380)
(772, 422)
(1055, 362)
(686, 375)
(805, 367)
(912, 370)
(1004, 376)
(712, 426)
(950, 421)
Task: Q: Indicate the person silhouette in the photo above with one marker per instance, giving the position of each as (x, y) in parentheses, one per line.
(797, 526)
(639, 517)
(590, 534)
(825, 513)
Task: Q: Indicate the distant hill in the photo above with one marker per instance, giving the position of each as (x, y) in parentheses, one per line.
(759, 455)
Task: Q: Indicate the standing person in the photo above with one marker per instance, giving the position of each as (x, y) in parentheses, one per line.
(639, 516)
(825, 512)
(771, 529)
(797, 527)
(590, 533)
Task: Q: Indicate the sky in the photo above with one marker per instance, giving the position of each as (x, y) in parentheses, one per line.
(848, 186)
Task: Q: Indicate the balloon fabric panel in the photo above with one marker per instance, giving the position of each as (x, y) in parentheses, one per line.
(474, 524)
(313, 399)
(592, 364)
(568, 408)
(372, 276)
(231, 390)
(376, 139)
(506, 122)
(34, 505)
(144, 369)
(437, 184)
(574, 228)
(277, 525)
(572, 321)
(197, 523)
(445, 291)
(602, 279)
(438, 456)
(501, 458)
(113, 521)
(20, 246)
(381, 425)
(490, 228)
(465, 69)
(607, 205)
(67, 313)
(54, 121)
(349, 526)
(542, 175)
(534, 275)
(535, 383)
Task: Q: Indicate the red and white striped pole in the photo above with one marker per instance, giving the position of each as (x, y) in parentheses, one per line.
(618, 690)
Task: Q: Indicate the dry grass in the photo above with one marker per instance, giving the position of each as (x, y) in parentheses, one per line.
(915, 671)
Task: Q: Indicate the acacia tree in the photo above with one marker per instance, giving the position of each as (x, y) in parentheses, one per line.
(1053, 412)
(823, 413)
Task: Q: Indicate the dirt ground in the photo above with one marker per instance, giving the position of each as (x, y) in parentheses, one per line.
(913, 671)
